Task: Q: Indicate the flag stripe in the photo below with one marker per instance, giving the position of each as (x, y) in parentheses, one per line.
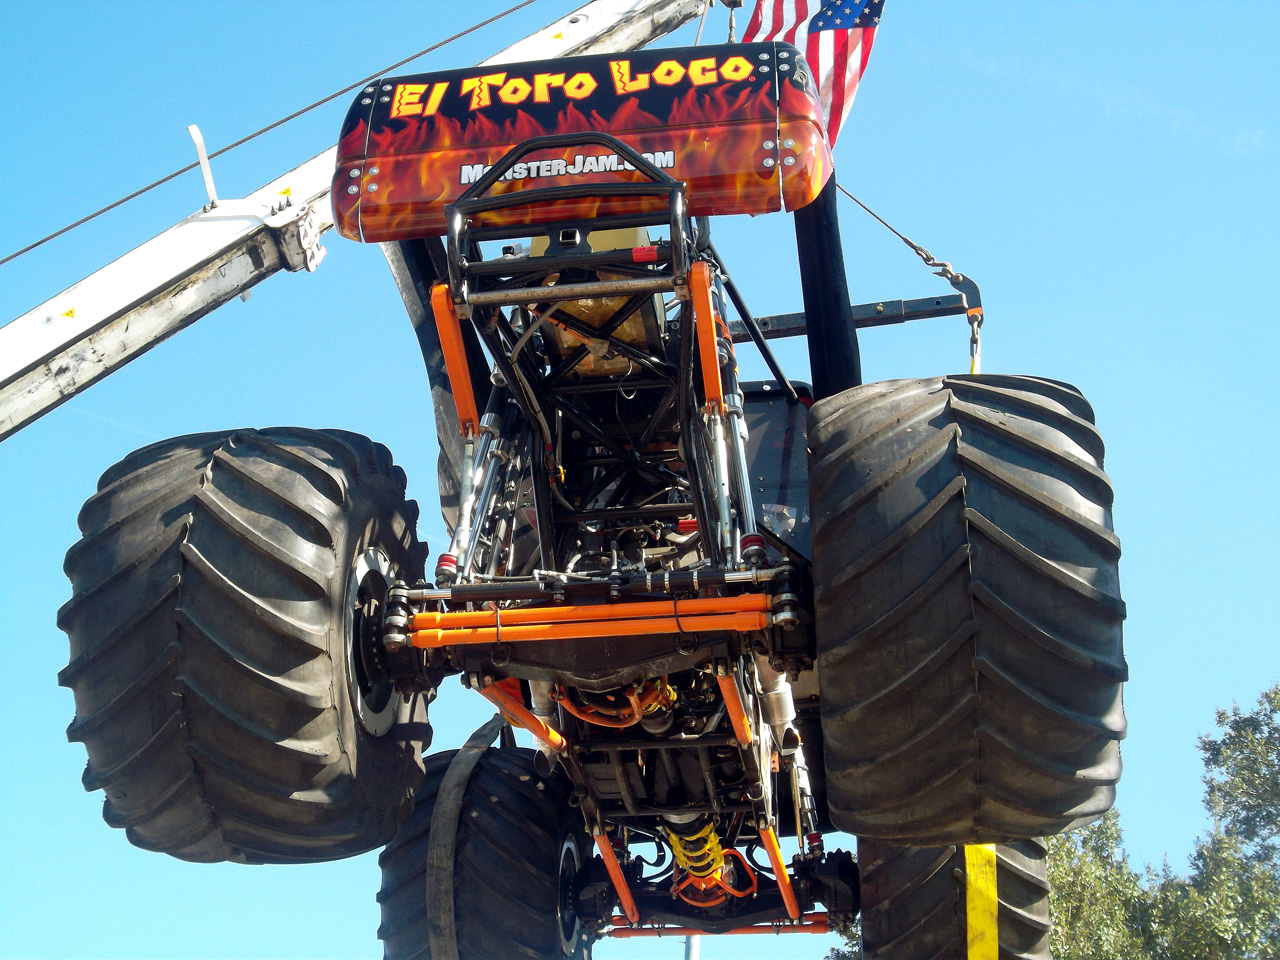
(839, 74)
(837, 51)
(801, 19)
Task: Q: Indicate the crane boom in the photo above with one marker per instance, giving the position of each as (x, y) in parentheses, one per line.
(91, 329)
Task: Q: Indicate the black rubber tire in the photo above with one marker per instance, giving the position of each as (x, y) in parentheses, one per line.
(968, 609)
(913, 901)
(209, 634)
(512, 827)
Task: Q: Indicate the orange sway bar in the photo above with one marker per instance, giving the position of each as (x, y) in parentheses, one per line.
(735, 622)
(770, 841)
(598, 611)
(740, 614)
(509, 702)
(605, 846)
(811, 923)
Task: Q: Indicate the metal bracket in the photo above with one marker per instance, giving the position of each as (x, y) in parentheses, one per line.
(878, 314)
(297, 233)
(205, 171)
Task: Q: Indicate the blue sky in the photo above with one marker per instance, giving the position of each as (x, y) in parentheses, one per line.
(1107, 172)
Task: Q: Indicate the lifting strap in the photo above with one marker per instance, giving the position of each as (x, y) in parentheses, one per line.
(442, 934)
(982, 906)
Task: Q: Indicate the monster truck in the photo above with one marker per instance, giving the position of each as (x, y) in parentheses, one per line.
(727, 612)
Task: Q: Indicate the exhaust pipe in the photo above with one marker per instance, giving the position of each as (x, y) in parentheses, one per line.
(544, 708)
(776, 701)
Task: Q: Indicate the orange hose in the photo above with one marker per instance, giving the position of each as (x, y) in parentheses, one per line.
(617, 717)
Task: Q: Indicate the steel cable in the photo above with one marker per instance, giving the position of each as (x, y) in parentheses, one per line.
(267, 129)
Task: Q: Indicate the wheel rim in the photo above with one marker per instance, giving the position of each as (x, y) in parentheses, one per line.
(567, 925)
(375, 701)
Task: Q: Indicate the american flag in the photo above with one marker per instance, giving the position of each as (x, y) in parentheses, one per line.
(835, 37)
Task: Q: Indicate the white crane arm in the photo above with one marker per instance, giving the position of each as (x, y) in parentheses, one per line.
(74, 339)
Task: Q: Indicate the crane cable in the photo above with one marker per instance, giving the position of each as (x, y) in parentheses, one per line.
(946, 271)
(267, 129)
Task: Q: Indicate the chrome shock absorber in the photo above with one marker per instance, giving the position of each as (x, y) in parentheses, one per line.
(749, 545)
(475, 458)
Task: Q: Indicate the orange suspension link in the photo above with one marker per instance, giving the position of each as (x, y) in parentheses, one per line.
(704, 319)
(733, 704)
(770, 841)
(605, 846)
(449, 326)
(505, 695)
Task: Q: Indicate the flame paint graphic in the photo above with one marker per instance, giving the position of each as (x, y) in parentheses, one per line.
(727, 141)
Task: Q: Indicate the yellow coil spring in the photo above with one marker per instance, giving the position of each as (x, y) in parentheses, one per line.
(699, 854)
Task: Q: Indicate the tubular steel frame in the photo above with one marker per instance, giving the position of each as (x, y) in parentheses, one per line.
(690, 413)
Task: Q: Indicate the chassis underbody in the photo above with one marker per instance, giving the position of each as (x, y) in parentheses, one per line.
(617, 583)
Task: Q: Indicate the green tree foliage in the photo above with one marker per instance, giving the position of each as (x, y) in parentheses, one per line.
(1242, 775)
(1228, 908)
(852, 949)
(1097, 903)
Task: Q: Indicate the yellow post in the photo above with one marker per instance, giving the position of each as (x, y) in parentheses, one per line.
(981, 904)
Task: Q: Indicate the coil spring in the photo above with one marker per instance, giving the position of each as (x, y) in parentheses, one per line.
(700, 854)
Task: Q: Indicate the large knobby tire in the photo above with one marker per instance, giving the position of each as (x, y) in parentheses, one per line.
(914, 901)
(516, 835)
(226, 712)
(968, 609)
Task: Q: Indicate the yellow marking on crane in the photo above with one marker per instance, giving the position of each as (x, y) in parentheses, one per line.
(71, 313)
(982, 906)
(557, 36)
